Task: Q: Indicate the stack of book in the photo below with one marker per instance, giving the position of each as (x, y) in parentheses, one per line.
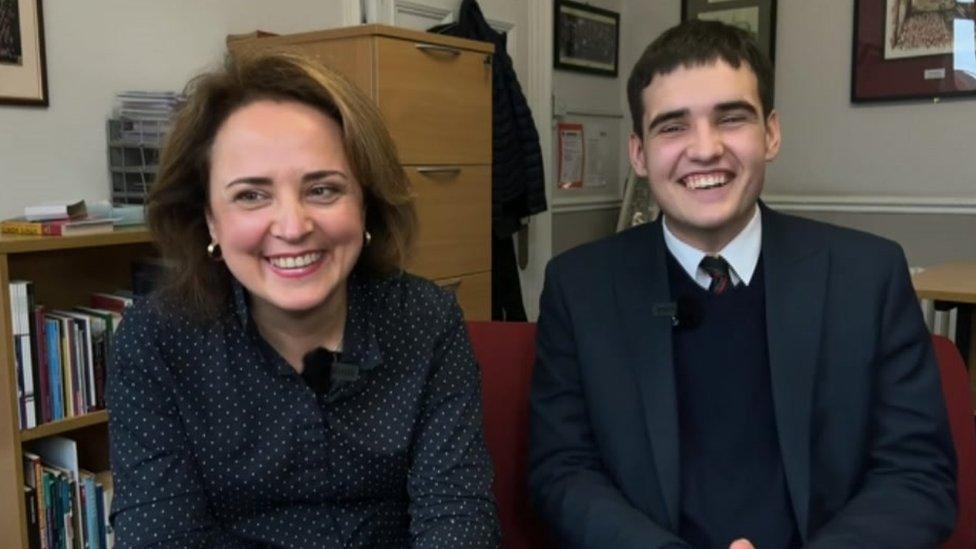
(57, 219)
(62, 354)
(67, 506)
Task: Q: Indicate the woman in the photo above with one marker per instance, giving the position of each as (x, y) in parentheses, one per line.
(289, 385)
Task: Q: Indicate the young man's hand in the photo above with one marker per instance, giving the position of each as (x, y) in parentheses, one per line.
(742, 543)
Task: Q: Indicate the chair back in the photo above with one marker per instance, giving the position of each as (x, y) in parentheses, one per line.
(506, 353)
(959, 403)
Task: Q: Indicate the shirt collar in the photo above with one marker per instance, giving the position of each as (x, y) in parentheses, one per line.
(742, 253)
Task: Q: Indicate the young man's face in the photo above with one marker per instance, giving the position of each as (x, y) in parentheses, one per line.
(704, 150)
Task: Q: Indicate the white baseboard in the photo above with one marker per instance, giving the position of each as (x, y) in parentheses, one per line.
(872, 204)
(585, 204)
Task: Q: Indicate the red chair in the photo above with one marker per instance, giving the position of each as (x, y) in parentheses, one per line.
(955, 387)
(506, 353)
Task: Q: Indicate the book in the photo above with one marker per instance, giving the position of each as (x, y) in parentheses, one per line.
(35, 357)
(25, 383)
(117, 301)
(43, 372)
(33, 525)
(100, 342)
(58, 227)
(106, 491)
(23, 360)
(34, 477)
(55, 210)
(52, 337)
(89, 506)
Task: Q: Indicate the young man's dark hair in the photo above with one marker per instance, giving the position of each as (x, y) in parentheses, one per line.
(693, 43)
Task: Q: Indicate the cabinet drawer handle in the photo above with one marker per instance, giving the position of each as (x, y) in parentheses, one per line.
(439, 169)
(438, 49)
(451, 285)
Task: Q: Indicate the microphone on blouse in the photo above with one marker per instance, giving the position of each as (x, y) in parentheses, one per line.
(317, 371)
(322, 367)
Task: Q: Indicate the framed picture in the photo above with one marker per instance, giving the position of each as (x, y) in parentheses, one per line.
(913, 49)
(755, 16)
(23, 75)
(587, 39)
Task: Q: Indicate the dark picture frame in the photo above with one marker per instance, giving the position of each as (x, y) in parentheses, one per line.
(586, 39)
(902, 53)
(755, 16)
(23, 64)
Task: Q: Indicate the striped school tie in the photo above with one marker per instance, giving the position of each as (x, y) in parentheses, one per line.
(717, 268)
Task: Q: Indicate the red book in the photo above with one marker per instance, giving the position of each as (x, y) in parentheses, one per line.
(112, 302)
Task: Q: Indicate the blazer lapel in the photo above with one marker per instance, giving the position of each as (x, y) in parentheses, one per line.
(796, 285)
(641, 283)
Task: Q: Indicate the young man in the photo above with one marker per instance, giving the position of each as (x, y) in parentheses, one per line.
(730, 376)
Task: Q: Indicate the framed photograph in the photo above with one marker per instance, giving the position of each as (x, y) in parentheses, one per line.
(913, 49)
(23, 74)
(587, 39)
(755, 16)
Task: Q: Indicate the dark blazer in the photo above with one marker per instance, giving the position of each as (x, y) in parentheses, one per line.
(859, 410)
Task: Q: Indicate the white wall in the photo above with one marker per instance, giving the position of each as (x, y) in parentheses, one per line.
(641, 22)
(830, 146)
(96, 48)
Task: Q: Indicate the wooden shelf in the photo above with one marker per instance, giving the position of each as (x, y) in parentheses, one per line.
(12, 244)
(65, 271)
(64, 426)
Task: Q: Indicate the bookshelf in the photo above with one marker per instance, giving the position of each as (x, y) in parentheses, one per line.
(65, 271)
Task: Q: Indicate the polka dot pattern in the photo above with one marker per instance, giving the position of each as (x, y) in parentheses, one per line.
(216, 440)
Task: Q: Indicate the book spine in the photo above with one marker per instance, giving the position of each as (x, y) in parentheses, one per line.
(98, 361)
(67, 387)
(91, 513)
(44, 388)
(30, 391)
(77, 365)
(33, 528)
(41, 504)
(102, 516)
(34, 352)
(49, 538)
(52, 333)
(19, 370)
(30, 228)
(68, 518)
(89, 353)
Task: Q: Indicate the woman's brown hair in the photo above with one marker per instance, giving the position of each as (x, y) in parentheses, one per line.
(179, 198)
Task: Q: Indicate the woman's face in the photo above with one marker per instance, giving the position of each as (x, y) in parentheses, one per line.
(284, 205)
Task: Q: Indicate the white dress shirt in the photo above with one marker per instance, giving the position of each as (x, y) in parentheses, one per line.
(742, 253)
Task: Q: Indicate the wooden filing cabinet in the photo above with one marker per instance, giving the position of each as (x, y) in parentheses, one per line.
(434, 93)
